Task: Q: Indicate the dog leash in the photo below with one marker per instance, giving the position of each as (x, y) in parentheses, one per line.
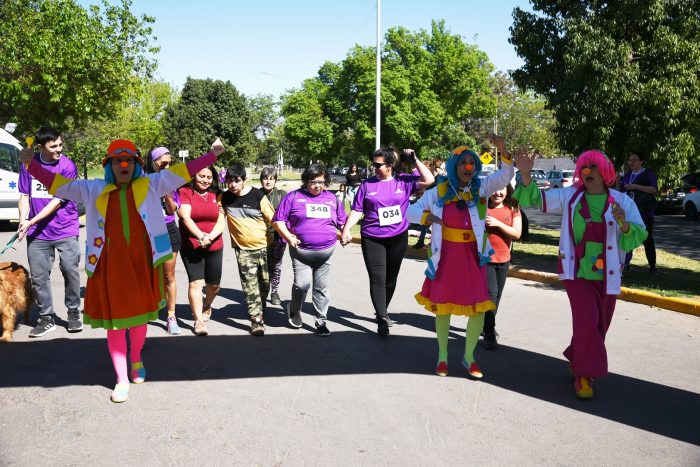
(10, 243)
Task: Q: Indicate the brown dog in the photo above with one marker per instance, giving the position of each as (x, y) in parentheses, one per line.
(16, 296)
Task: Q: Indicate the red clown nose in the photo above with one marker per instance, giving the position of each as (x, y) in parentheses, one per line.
(469, 167)
(124, 164)
(586, 171)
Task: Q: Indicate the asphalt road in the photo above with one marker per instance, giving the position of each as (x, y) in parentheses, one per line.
(672, 233)
(292, 398)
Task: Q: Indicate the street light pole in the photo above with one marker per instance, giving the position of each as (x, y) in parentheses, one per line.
(377, 122)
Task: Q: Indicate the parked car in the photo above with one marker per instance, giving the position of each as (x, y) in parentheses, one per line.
(672, 202)
(538, 176)
(691, 205)
(9, 176)
(560, 178)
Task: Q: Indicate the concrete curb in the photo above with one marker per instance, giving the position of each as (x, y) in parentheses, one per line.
(681, 305)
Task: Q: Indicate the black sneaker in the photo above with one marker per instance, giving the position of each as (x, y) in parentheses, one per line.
(257, 326)
(75, 324)
(44, 326)
(275, 298)
(294, 318)
(490, 341)
(322, 331)
(382, 327)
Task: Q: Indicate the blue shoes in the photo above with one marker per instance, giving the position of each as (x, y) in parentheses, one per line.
(138, 373)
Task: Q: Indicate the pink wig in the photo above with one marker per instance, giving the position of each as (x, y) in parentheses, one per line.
(600, 160)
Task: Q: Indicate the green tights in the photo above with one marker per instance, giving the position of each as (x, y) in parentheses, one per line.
(474, 326)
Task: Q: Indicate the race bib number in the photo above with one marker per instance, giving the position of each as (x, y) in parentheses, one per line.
(390, 215)
(39, 190)
(318, 211)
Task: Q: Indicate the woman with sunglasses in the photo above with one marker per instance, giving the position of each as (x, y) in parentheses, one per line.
(456, 279)
(159, 158)
(598, 226)
(309, 219)
(383, 200)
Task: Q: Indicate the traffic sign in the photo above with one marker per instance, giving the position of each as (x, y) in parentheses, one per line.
(486, 158)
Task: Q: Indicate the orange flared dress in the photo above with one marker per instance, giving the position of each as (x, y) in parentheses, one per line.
(126, 290)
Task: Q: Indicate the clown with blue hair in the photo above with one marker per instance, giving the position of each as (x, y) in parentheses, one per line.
(127, 244)
(456, 276)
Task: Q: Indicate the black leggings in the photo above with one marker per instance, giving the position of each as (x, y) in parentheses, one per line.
(497, 275)
(383, 258)
(649, 245)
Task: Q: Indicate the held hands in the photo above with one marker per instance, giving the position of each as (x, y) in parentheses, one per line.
(345, 238)
(205, 241)
(217, 147)
(433, 219)
(293, 241)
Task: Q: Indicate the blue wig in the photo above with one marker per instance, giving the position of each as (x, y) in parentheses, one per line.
(109, 174)
(451, 180)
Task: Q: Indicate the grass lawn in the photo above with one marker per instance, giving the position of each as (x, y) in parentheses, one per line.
(678, 276)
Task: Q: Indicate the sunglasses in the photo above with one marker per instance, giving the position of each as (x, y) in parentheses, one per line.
(379, 165)
(316, 182)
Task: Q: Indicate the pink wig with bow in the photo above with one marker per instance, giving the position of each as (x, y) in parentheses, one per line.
(600, 160)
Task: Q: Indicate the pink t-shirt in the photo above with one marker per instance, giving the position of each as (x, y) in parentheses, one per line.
(205, 213)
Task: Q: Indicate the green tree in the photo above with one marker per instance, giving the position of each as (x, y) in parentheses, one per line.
(431, 81)
(61, 64)
(619, 76)
(210, 109)
(139, 118)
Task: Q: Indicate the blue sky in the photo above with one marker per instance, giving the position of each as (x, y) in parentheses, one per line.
(268, 46)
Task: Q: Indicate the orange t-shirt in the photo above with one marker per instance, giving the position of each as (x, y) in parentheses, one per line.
(500, 241)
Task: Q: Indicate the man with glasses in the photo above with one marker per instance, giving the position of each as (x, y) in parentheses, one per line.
(51, 225)
(249, 215)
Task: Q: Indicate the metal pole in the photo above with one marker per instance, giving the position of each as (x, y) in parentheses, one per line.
(377, 122)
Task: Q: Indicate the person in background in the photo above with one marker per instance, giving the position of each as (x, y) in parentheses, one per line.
(127, 242)
(249, 215)
(275, 250)
(503, 224)
(352, 183)
(159, 158)
(456, 280)
(599, 225)
(383, 200)
(437, 167)
(641, 185)
(201, 226)
(309, 220)
(50, 225)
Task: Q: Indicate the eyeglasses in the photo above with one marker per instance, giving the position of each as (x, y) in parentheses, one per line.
(379, 165)
(316, 182)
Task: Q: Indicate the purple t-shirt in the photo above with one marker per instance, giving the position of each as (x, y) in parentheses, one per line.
(313, 219)
(644, 201)
(63, 223)
(384, 204)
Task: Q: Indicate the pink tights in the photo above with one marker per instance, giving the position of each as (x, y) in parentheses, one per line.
(116, 342)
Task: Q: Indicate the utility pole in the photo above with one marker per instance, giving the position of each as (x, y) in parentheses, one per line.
(377, 122)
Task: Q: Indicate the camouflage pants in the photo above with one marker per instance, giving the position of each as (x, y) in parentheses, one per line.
(255, 278)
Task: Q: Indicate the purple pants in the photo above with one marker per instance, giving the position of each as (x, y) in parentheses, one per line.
(591, 312)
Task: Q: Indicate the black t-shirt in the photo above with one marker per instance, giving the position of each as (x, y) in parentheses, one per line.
(352, 179)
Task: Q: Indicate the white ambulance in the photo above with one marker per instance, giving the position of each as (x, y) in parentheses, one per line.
(9, 175)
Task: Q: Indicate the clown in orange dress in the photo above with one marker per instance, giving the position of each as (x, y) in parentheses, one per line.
(127, 243)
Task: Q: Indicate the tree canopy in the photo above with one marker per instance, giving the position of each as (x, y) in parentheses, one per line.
(619, 76)
(210, 109)
(61, 64)
(432, 81)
